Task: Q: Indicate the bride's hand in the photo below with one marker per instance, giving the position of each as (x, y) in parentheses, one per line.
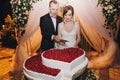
(75, 46)
(62, 43)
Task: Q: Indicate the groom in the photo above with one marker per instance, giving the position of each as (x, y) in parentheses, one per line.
(49, 26)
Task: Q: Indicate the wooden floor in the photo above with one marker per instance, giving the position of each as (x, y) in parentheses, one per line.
(112, 73)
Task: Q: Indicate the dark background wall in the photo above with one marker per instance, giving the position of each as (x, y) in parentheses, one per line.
(6, 39)
(5, 8)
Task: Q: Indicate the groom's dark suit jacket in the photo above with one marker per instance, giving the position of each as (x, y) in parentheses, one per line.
(47, 29)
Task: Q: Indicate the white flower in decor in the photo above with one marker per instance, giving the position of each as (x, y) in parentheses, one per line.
(106, 8)
(108, 0)
(20, 10)
(110, 7)
(111, 11)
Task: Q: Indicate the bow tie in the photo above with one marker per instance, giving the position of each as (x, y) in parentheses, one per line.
(53, 16)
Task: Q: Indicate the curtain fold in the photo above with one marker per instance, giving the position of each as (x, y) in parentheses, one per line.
(30, 42)
(92, 36)
(91, 20)
(25, 50)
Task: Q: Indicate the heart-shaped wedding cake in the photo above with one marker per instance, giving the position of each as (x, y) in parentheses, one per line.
(56, 64)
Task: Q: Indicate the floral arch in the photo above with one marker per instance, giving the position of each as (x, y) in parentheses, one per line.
(91, 19)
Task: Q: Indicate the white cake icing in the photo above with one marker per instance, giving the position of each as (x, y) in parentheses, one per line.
(39, 76)
(65, 66)
(77, 71)
(31, 75)
(69, 71)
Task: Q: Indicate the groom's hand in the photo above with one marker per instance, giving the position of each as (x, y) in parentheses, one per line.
(56, 38)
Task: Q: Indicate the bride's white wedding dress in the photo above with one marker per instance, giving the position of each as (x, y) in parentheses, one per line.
(69, 36)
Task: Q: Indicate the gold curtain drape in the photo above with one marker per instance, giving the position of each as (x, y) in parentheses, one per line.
(105, 50)
(92, 20)
(92, 37)
(25, 50)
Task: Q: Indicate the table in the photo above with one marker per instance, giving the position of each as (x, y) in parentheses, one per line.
(87, 75)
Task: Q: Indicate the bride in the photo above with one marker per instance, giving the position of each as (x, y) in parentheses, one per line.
(68, 30)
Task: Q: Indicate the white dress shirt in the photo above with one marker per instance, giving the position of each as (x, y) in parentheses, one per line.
(54, 22)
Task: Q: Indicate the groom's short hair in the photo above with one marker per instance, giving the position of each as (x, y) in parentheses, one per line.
(53, 1)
